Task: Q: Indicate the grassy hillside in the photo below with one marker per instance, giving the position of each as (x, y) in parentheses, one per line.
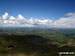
(44, 42)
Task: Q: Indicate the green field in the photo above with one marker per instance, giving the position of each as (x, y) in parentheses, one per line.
(36, 42)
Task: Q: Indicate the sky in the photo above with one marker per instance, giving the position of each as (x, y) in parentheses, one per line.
(49, 13)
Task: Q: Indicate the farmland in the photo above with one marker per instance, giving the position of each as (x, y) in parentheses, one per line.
(36, 42)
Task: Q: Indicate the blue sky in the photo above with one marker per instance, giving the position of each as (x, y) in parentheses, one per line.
(52, 9)
(37, 13)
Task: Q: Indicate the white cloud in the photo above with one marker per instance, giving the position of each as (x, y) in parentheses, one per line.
(5, 16)
(12, 18)
(70, 14)
(67, 22)
(20, 17)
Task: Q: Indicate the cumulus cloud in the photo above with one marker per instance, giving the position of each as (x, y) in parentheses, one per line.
(20, 17)
(21, 21)
(70, 14)
(11, 18)
(66, 21)
(5, 16)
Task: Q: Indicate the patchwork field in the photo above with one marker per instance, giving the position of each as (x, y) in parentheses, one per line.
(30, 42)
